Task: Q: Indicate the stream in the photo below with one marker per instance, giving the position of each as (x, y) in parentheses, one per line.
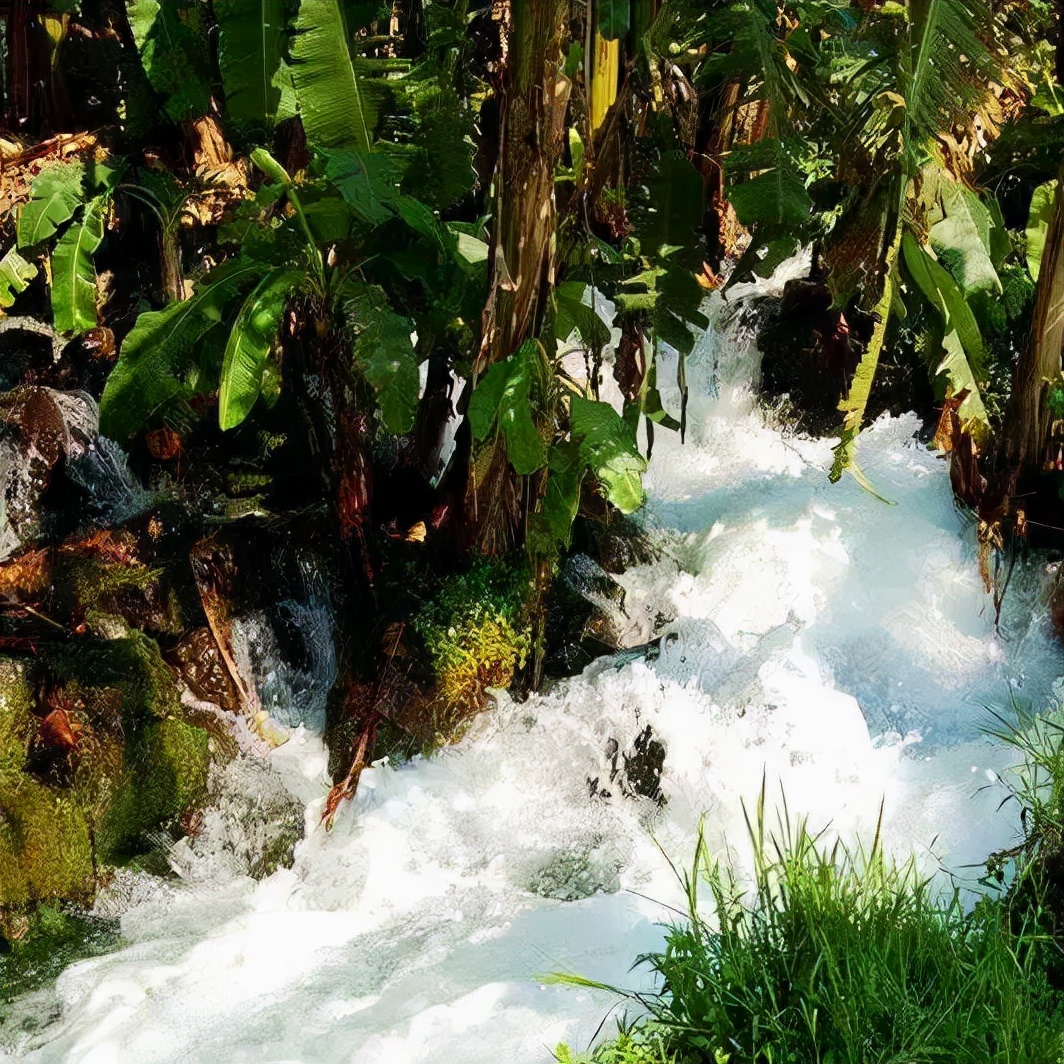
(839, 648)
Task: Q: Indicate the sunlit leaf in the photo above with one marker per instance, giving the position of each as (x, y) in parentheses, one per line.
(73, 270)
(608, 447)
(15, 276)
(336, 112)
(252, 339)
(162, 347)
(55, 195)
(1038, 220)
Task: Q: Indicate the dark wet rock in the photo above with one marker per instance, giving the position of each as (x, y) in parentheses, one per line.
(113, 493)
(586, 616)
(572, 874)
(617, 544)
(39, 427)
(632, 773)
(811, 349)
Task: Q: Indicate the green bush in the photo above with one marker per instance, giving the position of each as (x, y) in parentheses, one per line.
(835, 957)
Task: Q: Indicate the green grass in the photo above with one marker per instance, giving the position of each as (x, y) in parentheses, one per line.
(833, 956)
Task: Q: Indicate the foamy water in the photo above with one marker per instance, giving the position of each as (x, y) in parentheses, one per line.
(839, 648)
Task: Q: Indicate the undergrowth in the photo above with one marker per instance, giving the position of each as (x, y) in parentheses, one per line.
(837, 956)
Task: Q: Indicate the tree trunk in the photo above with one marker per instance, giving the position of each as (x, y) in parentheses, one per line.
(534, 101)
(1026, 429)
(536, 95)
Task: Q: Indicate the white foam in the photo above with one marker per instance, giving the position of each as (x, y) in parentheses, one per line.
(840, 648)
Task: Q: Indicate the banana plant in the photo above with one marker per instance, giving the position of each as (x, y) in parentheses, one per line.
(64, 219)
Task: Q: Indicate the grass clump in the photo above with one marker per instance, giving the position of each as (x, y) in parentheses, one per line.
(837, 957)
(476, 635)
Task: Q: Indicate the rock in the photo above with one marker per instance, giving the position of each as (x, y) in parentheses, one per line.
(586, 616)
(249, 824)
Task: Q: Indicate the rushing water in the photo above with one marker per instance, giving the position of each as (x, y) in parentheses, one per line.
(837, 647)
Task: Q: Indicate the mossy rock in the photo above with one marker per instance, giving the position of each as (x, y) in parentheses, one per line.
(138, 768)
(49, 940)
(165, 776)
(128, 674)
(477, 635)
(45, 847)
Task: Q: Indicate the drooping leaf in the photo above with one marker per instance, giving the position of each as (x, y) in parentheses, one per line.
(15, 276)
(573, 314)
(551, 526)
(162, 347)
(964, 235)
(384, 352)
(1038, 225)
(252, 338)
(963, 359)
(368, 183)
(172, 49)
(614, 18)
(336, 112)
(671, 213)
(503, 396)
(73, 271)
(251, 45)
(56, 193)
(855, 402)
(608, 447)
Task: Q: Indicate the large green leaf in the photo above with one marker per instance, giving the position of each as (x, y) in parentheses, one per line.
(172, 48)
(251, 45)
(336, 112)
(73, 271)
(608, 447)
(614, 18)
(250, 343)
(962, 363)
(164, 345)
(1038, 224)
(551, 526)
(368, 183)
(573, 314)
(963, 236)
(56, 193)
(384, 352)
(504, 397)
(15, 276)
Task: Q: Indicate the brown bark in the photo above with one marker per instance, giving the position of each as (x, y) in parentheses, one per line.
(1027, 420)
(536, 95)
(534, 101)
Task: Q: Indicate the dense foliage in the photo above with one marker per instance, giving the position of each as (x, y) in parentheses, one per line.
(353, 312)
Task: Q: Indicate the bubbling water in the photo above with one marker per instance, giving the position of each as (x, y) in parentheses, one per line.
(836, 649)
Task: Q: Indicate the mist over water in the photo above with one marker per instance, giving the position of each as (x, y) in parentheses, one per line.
(838, 647)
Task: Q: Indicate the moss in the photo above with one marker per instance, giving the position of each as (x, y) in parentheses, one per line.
(165, 776)
(128, 673)
(52, 938)
(476, 635)
(45, 845)
(16, 718)
(138, 767)
(45, 851)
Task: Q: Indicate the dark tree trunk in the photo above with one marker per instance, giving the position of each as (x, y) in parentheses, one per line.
(533, 107)
(1027, 421)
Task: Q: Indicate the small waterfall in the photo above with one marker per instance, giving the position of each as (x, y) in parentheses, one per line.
(836, 647)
